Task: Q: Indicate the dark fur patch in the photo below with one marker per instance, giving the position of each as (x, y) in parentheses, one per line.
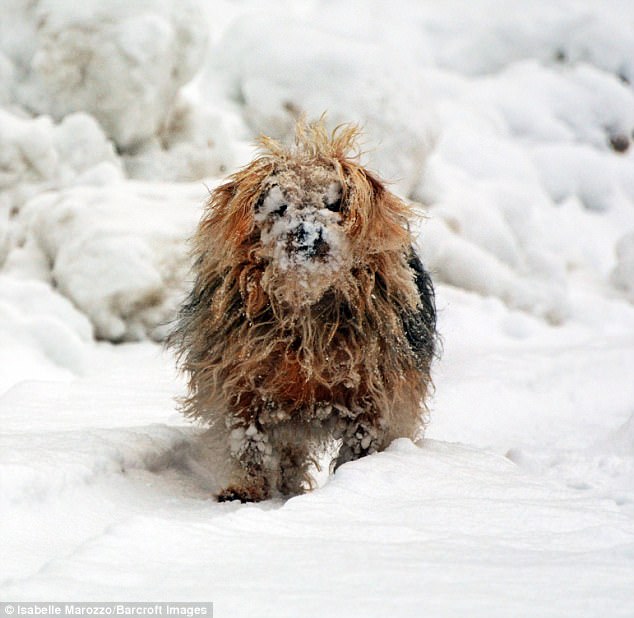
(420, 327)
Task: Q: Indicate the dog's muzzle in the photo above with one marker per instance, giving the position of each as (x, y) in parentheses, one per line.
(308, 240)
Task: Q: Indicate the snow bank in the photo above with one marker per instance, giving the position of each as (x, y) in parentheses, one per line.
(42, 336)
(496, 142)
(200, 141)
(36, 154)
(484, 39)
(122, 62)
(595, 191)
(510, 198)
(275, 67)
(576, 103)
(456, 261)
(118, 252)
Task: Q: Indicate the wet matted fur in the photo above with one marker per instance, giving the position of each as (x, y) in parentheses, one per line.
(311, 318)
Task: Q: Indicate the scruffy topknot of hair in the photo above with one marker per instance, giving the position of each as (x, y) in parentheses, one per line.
(313, 141)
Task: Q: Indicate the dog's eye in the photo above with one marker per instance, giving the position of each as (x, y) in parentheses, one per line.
(334, 206)
(333, 197)
(271, 202)
(258, 204)
(280, 210)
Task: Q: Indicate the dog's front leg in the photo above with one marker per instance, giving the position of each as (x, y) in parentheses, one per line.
(360, 436)
(251, 453)
(294, 463)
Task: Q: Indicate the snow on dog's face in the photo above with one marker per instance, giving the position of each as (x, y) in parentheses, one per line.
(303, 244)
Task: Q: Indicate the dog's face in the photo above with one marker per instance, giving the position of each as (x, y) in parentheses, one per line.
(296, 223)
(300, 218)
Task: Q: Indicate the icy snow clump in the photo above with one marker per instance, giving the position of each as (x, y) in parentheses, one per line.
(121, 61)
(118, 252)
(36, 154)
(41, 333)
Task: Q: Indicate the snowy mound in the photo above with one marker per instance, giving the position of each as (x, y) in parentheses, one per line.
(122, 62)
(511, 200)
(199, 141)
(484, 39)
(36, 154)
(276, 68)
(41, 333)
(117, 252)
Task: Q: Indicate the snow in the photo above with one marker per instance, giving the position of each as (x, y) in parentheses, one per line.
(128, 238)
(272, 86)
(623, 274)
(122, 62)
(124, 512)
(37, 154)
(511, 123)
(41, 333)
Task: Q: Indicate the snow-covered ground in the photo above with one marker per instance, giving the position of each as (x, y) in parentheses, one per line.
(512, 122)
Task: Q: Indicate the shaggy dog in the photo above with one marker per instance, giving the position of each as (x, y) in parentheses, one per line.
(311, 319)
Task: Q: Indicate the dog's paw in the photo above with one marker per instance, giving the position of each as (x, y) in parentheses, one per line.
(250, 493)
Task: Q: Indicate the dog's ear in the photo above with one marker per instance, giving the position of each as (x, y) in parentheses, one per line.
(377, 219)
(231, 207)
(253, 295)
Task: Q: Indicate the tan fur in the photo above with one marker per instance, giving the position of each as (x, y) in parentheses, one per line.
(284, 352)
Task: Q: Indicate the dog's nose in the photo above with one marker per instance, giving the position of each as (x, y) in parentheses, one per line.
(301, 234)
(320, 247)
(309, 241)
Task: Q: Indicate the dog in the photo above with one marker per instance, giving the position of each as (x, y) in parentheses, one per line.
(311, 321)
